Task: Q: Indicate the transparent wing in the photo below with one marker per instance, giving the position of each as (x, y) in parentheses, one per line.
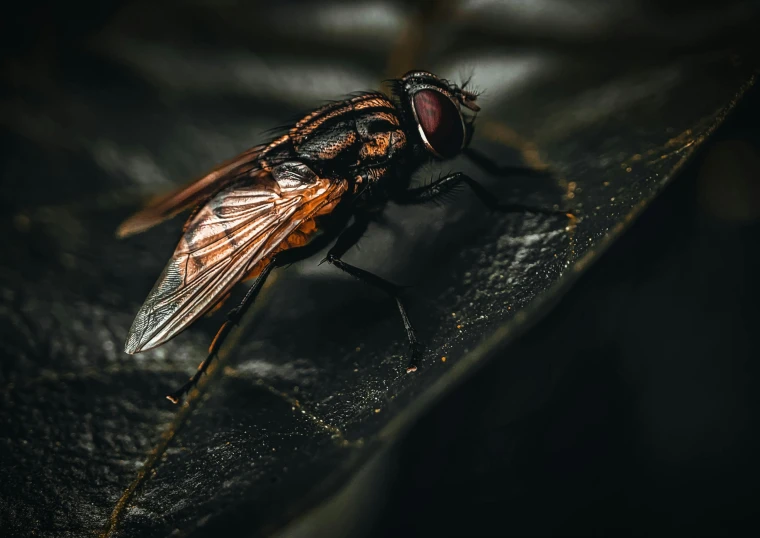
(238, 228)
(190, 195)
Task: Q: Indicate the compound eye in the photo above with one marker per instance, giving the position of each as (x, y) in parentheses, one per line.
(440, 122)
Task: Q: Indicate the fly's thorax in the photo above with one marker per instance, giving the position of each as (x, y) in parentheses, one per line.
(384, 144)
(334, 144)
(380, 130)
(369, 180)
(363, 130)
(362, 140)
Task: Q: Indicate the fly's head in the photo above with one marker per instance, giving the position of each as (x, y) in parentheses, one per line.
(436, 107)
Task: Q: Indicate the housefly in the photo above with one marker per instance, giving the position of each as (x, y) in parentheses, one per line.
(320, 181)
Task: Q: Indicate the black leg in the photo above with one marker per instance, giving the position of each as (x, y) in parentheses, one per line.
(346, 240)
(445, 185)
(285, 257)
(492, 167)
(349, 237)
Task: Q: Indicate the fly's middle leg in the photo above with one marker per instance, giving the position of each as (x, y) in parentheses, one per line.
(345, 241)
(282, 258)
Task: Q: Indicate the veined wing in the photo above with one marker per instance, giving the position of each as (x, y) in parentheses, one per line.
(190, 195)
(239, 227)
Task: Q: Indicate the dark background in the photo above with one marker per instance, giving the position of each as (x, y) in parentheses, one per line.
(631, 409)
(643, 385)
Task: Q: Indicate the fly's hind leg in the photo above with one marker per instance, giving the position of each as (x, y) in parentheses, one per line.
(233, 318)
(282, 258)
(346, 240)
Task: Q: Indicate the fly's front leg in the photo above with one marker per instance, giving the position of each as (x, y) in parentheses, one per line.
(492, 167)
(444, 185)
(348, 239)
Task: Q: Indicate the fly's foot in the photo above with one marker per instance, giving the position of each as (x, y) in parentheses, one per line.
(177, 395)
(416, 350)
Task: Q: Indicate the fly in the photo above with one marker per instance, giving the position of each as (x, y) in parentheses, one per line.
(282, 202)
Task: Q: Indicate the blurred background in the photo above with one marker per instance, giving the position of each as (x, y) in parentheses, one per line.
(641, 416)
(630, 408)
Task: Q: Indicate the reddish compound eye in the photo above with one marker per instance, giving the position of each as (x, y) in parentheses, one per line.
(440, 121)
